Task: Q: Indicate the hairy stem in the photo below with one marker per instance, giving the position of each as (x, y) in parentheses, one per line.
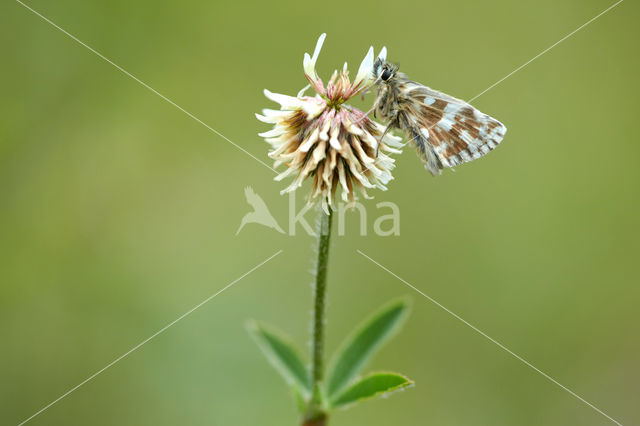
(316, 413)
(320, 295)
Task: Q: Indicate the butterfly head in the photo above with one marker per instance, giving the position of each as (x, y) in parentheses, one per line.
(384, 71)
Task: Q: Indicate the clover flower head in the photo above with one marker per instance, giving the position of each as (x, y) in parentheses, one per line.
(323, 138)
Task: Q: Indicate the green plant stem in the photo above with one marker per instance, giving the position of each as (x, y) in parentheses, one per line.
(316, 413)
(320, 295)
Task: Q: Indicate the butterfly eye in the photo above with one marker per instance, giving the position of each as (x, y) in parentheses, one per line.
(386, 75)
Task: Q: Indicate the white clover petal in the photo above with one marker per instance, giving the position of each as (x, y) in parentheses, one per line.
(393, 140)
(312, 108)
(320, 152)
(353, 128)
(265, 119)
(312, 139)
(272, 116)
(278, 151)
(335, 143)
(324, 132)
(365, 195)
(275, 113)
(392, 150)
(289, 188)
(308, 66)
(373, 142)
(383, 53)
(325, 206)
(309, 63)
(284, 174)
(272, 133)
(304, 89)
(284, 100)
(366, 67)
(318, 48)
(386, 161)
(276, 141)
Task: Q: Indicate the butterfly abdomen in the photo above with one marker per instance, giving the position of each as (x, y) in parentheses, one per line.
(419, 140)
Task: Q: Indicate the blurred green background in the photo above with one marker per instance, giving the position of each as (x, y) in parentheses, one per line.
(118, 213)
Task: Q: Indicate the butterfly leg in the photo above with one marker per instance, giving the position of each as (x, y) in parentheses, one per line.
(371, 110)
(382, 138)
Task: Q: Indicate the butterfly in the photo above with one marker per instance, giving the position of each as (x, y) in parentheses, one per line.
(444, 131)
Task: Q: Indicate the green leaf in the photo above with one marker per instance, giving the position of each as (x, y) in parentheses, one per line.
(301, 401)
(282, 354)
(358, 348)
(376, 384)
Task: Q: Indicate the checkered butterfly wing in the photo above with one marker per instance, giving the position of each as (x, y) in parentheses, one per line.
(447, 131)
